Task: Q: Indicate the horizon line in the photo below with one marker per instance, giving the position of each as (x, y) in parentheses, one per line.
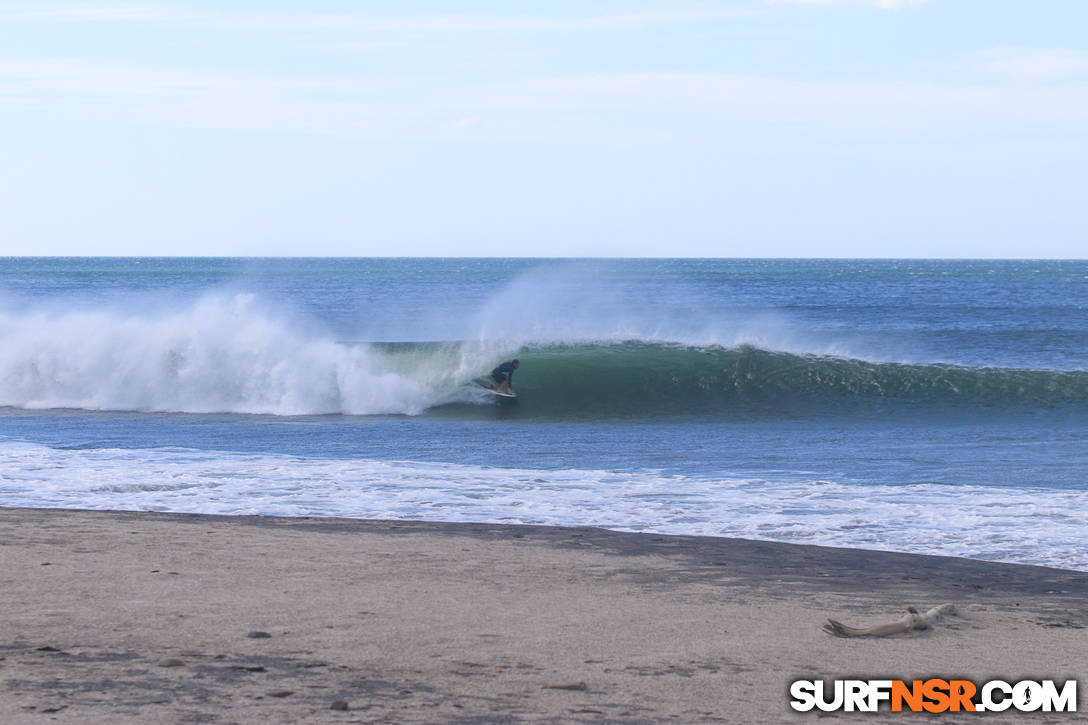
(534, 257)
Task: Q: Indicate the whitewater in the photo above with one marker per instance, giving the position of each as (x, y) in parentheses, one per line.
(934, 407)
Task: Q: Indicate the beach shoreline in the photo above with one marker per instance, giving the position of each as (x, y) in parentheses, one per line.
(116, 616)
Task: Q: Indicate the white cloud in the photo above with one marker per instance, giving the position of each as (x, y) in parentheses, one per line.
(458, 126)
(883, 4)
(767, 96)
(77, 77)
(655, 103)
(351, 21)
(91, 12)
(1035, 65)
(198, 98)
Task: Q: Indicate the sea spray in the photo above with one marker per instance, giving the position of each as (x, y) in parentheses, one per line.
(579, 303)
(217, 354)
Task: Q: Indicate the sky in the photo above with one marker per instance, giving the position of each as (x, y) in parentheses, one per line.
(744, 128)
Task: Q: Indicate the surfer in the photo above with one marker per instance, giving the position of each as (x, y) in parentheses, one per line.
(503, 375)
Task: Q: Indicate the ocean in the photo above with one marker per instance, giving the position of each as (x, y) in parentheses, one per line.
(937, 407)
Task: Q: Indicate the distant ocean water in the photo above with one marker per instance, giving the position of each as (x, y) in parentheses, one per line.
(925, 406)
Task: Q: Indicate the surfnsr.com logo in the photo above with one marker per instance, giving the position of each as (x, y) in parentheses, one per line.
(933, 695)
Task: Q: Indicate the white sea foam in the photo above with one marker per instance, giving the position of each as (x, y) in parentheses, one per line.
(222, 353)
(1033, 526)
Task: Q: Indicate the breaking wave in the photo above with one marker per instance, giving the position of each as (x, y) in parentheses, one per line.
(634, 377)
(233, 354)
(220, 354)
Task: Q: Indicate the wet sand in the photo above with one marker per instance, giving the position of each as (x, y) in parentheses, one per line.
(115, 617)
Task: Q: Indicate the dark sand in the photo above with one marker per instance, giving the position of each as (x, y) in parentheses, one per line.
(478, 623)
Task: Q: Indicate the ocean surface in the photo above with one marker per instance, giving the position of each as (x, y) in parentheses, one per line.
(924, 406)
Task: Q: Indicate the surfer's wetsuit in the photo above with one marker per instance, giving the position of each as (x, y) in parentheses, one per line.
(504, 373)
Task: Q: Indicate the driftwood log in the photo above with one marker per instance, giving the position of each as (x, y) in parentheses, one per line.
(911, 622)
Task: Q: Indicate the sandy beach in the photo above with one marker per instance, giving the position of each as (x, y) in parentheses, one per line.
(115, 617)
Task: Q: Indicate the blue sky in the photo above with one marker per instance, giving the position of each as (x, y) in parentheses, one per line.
(818, 128)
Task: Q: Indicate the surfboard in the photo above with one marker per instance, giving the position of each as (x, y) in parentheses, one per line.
(498, 393)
